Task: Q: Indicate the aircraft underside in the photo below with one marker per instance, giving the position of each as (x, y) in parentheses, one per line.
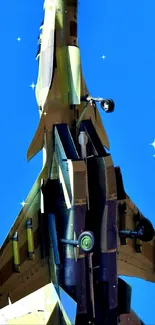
(78, 230)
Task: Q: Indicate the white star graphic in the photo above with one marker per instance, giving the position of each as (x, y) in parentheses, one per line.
(32, 85)
(23, 203)
(45, 113)
(18, 39)
(9, 301)
(153, 144)
(103, 57)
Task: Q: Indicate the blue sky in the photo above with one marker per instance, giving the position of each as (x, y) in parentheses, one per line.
(123, 31)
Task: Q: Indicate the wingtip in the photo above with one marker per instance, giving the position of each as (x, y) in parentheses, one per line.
(28, 157)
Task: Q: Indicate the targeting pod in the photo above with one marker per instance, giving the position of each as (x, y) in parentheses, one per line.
(30, 239)
(16, 253)
(107, 105)
(144, 231)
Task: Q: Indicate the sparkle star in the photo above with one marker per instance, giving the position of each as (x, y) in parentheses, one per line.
(103, 57)
(153, 144)
(32, 85)
(23, 203)
(18, 39)
(45, 113)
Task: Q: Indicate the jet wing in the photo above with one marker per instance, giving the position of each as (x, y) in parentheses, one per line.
(135, 257)
(23, 266)
(40, 307)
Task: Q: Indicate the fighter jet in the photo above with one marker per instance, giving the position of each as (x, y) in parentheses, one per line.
(78, 230)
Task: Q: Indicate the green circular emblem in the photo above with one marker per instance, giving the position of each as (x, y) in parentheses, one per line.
(86, 242)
